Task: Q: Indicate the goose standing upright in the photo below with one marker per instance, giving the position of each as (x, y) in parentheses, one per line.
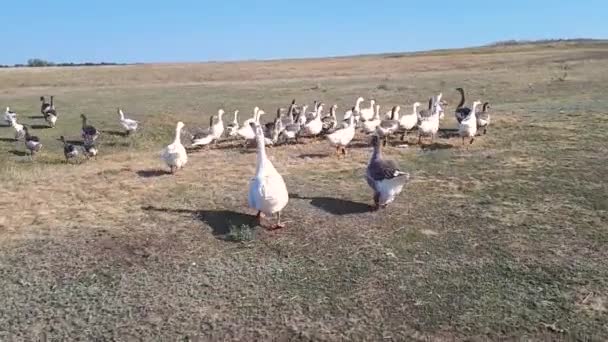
(129, 125)
(19, 131)
(330, 121)
(50, 114)
(9, 115)
(384, 176)
(483, 118)
(89, 133)
(315, 126)
(461, 111)
(232, 127)
(355, 111)
(428, 122)
(468, 125)
(340, 138)
(387, 127)
(267, 190)
(69, 150)
(174, 155)
(407, 122)
(246, 132)
(32, 143)
(369, 112)
(218, 128)
(45, 106)
(369, 126)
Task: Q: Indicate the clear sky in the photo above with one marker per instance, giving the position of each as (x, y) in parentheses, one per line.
(174, 30)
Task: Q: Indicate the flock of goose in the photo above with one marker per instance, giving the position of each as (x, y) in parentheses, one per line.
(267, 190)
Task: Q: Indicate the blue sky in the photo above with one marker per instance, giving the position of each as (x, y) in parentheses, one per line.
(173, 31)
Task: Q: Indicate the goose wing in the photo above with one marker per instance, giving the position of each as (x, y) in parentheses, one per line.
(381, 169)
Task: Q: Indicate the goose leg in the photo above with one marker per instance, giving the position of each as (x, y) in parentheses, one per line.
(338, 151)
(472, 139)
(258, 218)
(376, 200)
(485, 130)
(278, 225)
(462, 141)
(173, 169)
(344, 151)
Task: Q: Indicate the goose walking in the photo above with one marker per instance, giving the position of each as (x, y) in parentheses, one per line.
(49, 112)
(9, 116)
(129, 125)
(343, 136)
(204, 137)
(69, 150)
(174, 155)
(384, 176)
(32, 142)
(267, 190)
(19, 130)
(355, 111)
(483, 118)
(468, 125)
(89, 133)
(90, 149)
(45, 106)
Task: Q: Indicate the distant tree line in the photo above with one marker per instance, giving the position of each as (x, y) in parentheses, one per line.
(37, 62)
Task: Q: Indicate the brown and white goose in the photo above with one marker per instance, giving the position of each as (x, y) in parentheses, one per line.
(89, 133)
(483, 117)
(32, 142)
(384, 176)
(387, 127)
(69, 150)
(49, 112)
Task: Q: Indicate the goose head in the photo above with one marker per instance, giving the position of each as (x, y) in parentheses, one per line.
(395, 113)
(120, 112)
(372, 103)
(486, 106)
(475, 104)
(416, 105)
(220, 112)
(62, 138)
(359, 100)
(41, 98)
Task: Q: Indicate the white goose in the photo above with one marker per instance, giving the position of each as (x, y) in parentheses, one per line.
(9, 115)
(407, 122)
(369, 112)
(468, 126)
(369, 126)
(129, 125)
(19, 131)
(232, 127)
(267, 190)
(218, 128)
(174, 155)
(204, 137)
(343, 136)
(315, 126)
(246, 132)
(355, 110)
(428, 122)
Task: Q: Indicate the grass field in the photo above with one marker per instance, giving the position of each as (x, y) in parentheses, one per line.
(505, 238)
